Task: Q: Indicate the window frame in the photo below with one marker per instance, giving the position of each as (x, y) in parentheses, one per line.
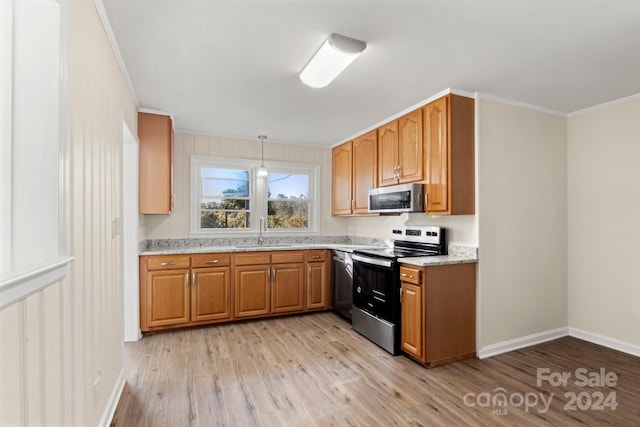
(258, 197)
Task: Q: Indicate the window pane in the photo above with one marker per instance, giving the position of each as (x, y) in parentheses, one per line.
(224, 188)
(288, 186)
(227, 204)
(224, 219)
(225, 173)
(288, 214)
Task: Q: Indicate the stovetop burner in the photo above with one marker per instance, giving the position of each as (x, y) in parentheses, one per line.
(413, 241)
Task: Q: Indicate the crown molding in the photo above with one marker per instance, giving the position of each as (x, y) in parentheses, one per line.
(605, 105)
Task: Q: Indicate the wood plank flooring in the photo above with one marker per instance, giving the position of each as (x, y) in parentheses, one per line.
(313, 370)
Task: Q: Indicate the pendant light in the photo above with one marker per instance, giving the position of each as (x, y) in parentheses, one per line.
(262, 171)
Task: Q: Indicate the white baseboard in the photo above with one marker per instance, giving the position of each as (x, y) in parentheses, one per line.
(611, 343)
(112, 404)
(518, 343)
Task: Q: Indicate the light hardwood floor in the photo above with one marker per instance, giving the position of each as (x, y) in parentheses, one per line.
(313, 370)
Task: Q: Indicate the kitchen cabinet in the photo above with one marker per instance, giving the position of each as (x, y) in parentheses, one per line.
(412, 313)
(400, 150)
(450, 161)
(252, 288)
(196, 289)
(318, 282)
(164, 291)
(155, 134)
(287, 288)
(269, 283)
(354, 173)
(178, 290)
(341, 189)
(210, 287)
(438, 312)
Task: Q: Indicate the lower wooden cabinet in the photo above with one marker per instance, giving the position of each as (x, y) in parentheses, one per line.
(319, 281)
(287, 288)
(174, 295)
(252, 290)
(210, 294)
(168, 298)
(187, 290)
(438, 309)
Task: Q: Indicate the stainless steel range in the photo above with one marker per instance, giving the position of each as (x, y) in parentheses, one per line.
(376, 282)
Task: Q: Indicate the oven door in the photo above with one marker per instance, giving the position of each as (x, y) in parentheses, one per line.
(374, 286)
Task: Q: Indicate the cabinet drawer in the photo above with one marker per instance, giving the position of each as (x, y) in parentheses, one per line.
(251, 258)
(287, 256)
(410, 275)
(167, 262)
(210, 260)
(316, 255)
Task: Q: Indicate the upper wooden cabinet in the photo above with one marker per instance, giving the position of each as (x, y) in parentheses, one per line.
(388, 154)
(341, 195)
(354, 173)
(449, 147)
(400, 150)
(155, 163)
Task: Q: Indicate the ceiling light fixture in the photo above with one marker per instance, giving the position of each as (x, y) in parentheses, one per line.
(262, 171)
(330, 60)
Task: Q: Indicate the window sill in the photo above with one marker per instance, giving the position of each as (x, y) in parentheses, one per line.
(16, 288)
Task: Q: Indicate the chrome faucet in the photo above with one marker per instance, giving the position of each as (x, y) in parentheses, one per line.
(261, 225)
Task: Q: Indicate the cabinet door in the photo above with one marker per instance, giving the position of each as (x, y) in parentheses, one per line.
(387, 154)
(365, 162)
(317, 286)
(155, 162)
(410, 147)
(288, 287)
(437, 155)
(167, 298)
(412, 321)
(211, 294)
(252, 290)
(341, 179)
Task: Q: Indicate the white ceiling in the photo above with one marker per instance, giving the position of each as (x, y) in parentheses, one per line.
(230, 67)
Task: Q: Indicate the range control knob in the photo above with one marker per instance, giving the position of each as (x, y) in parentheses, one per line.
(358, 289)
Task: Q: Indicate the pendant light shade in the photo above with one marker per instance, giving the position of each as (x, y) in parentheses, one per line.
(262, 170)
(330, 60)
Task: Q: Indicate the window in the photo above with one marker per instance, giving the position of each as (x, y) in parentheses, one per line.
(227, 197)
(288, 200)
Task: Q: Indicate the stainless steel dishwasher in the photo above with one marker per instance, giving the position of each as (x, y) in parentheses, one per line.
(342, 283)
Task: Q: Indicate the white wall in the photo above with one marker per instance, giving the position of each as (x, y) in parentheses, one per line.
(61, 353)
(461, 229)
(522, 272)
(176, 225)
(604, 221)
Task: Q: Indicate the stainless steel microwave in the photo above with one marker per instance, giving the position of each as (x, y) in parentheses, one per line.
(397, 198)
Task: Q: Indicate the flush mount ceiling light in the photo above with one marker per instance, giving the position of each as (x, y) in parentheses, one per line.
(262, 171)
(330, 60)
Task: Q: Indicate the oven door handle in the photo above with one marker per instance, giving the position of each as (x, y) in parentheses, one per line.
(374, 261)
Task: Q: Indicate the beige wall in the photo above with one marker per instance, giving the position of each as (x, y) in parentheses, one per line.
(57, 343)
(176, 225)
(522, 273)
(604, 221)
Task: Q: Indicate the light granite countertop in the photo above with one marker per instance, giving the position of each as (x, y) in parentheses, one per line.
(457, 254)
